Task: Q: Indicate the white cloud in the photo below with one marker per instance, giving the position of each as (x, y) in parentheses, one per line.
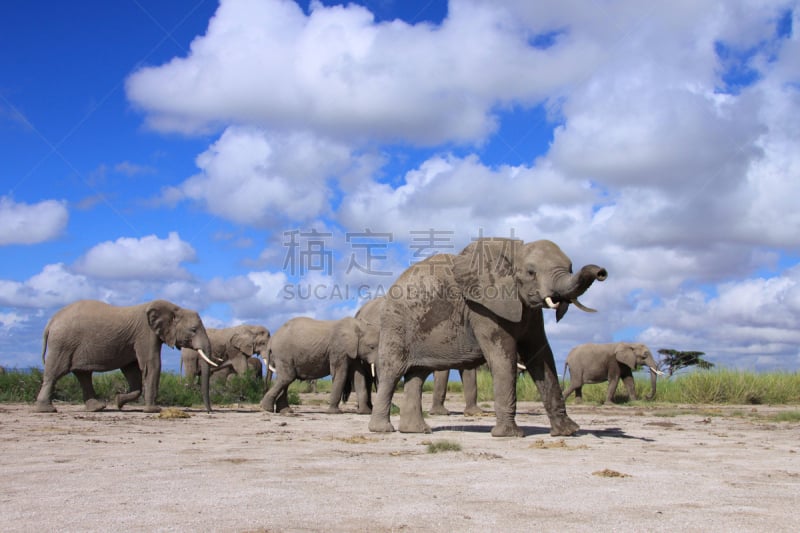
(54, 286)
(251, 177)
(22, 223)
(339, 73)
(148, 258)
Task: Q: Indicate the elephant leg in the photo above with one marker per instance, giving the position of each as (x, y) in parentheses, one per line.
(278, 390)
(612, 389)
(573, 387)
(411, 420)
(391, 353)
(542, 368)
(578, 394)
(631, 386)
(151, 376)
(133, 375)
(469, 380)
(89, 395)
(44, 402)
(338, 379)
(439, 391)
(360, 384)
(505, 400)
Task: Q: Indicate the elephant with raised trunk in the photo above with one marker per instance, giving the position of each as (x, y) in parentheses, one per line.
(598, 363)
(90, 336)
(305, 348)
(233, 347)
(482, 305)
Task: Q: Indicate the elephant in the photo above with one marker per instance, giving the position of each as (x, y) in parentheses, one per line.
(483, 305)
(469, 381)
(233, 346)
(92, 336)
(305, 348)
(598, 363)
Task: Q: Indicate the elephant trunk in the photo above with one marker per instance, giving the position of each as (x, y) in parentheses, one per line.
(568, 288)
(205, 378)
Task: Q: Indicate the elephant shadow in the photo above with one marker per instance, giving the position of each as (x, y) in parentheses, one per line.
(614, 432)
(527, 430)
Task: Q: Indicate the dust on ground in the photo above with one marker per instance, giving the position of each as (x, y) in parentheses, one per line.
(239, 469)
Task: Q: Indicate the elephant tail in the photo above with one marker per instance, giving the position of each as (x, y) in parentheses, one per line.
(44, 341)
(564, 376)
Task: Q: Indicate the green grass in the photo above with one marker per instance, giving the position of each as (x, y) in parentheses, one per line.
(718, 386)
(443, 446)
(173, 390)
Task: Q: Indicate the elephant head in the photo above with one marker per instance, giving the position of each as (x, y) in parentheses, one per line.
(635, 355)
(178, 327)
(247, 340)
(505, 274)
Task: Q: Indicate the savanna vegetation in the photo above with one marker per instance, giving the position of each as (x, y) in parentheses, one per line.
(717, 386)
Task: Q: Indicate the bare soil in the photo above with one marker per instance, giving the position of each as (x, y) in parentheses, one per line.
(239, 469)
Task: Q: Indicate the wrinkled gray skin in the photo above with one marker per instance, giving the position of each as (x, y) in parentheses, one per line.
(598, 363)
(485, 304)
(233, 348)
(304, 348)
(364, 376)
(90, 336)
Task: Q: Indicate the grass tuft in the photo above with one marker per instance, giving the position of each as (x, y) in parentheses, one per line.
(444, 446)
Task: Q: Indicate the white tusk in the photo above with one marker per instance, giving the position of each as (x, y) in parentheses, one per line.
(521, 367)
(204, 356)
(550, 303)
(657, 371)
(372, 369)
(582, 307)
(272, 368)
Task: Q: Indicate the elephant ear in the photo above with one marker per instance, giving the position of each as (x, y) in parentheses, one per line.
(346, 337)
(162, 318)
(484, 271)
(626, 355)
(244, 341)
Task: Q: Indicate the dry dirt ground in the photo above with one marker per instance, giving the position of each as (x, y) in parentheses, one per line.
(243, 470)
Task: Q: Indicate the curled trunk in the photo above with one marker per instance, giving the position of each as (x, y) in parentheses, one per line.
(570, 288)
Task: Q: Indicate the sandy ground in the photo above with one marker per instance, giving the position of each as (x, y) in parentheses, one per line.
(240, 469)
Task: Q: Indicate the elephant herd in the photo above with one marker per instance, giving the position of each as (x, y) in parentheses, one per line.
(451, 311)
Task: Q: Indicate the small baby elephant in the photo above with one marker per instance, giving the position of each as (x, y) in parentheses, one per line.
(598, 363)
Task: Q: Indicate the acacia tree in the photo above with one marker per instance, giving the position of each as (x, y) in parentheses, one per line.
(674, 360)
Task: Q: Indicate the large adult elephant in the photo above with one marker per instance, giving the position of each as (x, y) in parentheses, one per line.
(598, 363)
(232, 346)
(305, 348)
(90, 336)
(485, 304)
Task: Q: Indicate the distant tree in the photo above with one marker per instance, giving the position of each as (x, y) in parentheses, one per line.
(674, 360)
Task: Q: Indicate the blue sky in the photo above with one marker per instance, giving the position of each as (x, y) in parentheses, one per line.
(174, 150)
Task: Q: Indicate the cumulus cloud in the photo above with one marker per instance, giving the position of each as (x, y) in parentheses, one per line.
(130, 258)
(339, 73)
(22, 223)
(255, 178)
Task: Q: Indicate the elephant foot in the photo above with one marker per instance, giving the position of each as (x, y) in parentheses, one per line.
(364, 411)
(94, 405)
(152, 409)
(414, 427)
(286, 411)
(439, 410)
(563, 427)
(380, 426)
(334, 410)
(473, 411)
(44, 407)
(268, 406)
(507, 429)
